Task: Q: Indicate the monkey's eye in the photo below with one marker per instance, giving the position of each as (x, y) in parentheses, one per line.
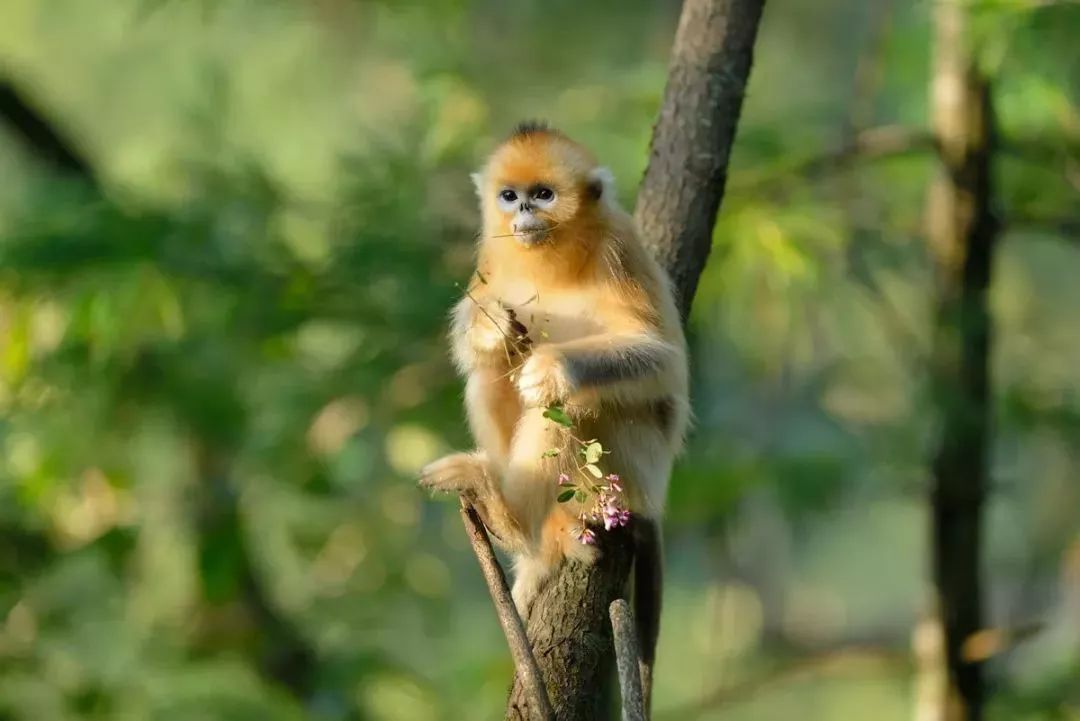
(544, 194)
(508, 196)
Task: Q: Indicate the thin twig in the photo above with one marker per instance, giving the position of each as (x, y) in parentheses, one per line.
(524, 661)
(521, 343)
(628, 659)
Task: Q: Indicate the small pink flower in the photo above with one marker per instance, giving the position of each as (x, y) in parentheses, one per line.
(564, 480)
(611, 515)
(613, 483)
(614, 516)
(585, 535)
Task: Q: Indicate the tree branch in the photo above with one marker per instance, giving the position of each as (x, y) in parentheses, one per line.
(1069, 227)
(45, 141)
(524, 661)
(882, 143)
(886, 141)
(816, 663)
(628, 659)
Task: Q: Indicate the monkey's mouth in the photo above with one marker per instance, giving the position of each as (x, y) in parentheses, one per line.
(531, 232)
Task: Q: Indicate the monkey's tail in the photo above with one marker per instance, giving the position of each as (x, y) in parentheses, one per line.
(648, 582)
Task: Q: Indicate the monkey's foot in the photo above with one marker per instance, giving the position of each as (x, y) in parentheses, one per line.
(468, 475)
(463, 473)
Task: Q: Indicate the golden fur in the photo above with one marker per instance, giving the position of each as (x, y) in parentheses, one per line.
(583, 317)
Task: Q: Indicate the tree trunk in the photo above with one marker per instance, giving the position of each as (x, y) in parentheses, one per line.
(571, 635)
(677, 205)
(961, 231)
(684, 181)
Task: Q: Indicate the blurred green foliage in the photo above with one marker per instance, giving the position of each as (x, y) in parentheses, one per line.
(222, 364)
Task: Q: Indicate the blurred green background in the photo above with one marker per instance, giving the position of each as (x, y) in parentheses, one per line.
(222, 357)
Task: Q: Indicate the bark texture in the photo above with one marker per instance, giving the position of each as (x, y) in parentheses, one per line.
(962, 230)
(571, 635)
(684, 181)
(677, 205)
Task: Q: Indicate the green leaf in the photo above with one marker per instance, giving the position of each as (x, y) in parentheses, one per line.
(550, 453)
(566, 495)
(593, 452)
(594, 470)
(580, 495)
(557, 414)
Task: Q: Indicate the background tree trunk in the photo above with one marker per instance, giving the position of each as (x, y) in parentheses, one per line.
(961, 231)
(676, 210)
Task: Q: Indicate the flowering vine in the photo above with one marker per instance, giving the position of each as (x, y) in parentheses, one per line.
(587, 482)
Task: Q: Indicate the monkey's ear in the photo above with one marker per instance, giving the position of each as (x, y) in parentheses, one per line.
(601, 185)
(478, 183)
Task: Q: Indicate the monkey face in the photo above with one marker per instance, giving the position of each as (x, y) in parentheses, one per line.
(537, 188)
(527, 210)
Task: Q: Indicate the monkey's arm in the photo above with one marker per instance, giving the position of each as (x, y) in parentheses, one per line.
(624, 367)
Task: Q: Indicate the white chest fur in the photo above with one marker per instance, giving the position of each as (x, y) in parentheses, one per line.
(553, 318)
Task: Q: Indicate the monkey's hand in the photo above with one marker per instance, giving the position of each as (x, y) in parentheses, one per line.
(487, 332)
(496, 328)
(543, 379)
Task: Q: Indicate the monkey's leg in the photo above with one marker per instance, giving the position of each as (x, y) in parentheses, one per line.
(556, 544)
(493, 409)
(470, 475)
(530, 487)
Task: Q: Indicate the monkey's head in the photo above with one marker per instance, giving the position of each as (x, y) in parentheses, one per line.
(539, 186)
